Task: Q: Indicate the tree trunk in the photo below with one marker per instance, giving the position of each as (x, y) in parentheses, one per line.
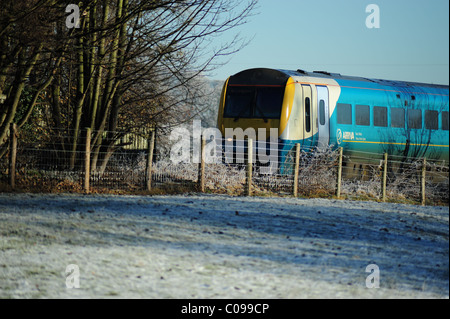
(79, 102)
(13, 99)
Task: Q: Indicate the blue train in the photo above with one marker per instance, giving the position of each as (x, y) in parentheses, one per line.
(318, 109)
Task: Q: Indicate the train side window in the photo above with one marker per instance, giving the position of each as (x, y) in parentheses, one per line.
(380, 116)
(445, 121)
(432, 120)
(308, 114)
(344, 114)
(362, 114)
(415, 119)
(322, 112)
(397, 117)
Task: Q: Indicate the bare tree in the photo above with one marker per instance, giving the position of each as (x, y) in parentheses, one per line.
(132, 63)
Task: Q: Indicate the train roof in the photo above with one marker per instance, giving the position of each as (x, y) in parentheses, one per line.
(338, 76)
(274, 76)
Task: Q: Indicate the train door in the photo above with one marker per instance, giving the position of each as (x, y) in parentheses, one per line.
(324, 117)
(308, 117)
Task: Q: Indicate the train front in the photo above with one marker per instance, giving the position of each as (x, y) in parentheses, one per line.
(256, 104)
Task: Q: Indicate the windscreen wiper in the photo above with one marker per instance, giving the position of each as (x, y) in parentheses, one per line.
(262, 114)
(240, 114)
(249, 106)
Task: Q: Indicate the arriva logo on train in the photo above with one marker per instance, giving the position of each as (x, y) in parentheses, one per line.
(348, 136)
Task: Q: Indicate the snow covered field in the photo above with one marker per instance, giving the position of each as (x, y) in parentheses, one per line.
(210, 246)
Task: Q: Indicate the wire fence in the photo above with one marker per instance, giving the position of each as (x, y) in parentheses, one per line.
(107, 164)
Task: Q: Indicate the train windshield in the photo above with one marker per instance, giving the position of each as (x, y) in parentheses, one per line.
(262, 102)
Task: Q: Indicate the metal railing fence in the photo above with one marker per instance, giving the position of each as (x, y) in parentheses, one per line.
(108, 165)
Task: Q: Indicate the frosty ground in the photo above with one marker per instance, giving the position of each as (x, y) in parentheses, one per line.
(214, 246)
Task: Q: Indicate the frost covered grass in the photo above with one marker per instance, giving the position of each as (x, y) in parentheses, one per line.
(219, 246)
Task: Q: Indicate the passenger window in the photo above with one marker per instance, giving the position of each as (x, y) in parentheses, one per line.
(397, 117)
(308, 114)
(344, 114)
(415, 119)
(432, 120)
(322, 112)
(380, 116)
(445, 121)
(362, 114)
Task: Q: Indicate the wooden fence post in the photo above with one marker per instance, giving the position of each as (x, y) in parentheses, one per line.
(297, 167)
(249, 167)
(12, 154)
(87, 161)
(151, 150)
(422, 188)
(201, 166)
(339, 173)
(384, 180)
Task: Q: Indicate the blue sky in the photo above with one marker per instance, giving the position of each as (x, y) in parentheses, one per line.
(412, 43)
